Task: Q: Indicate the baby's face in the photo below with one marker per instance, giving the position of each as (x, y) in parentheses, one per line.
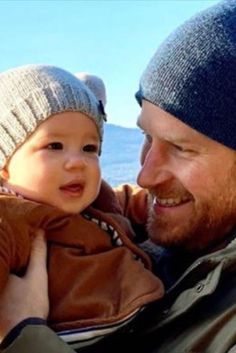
(59, 163)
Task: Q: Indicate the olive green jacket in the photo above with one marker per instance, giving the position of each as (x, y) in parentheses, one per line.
(198, 314)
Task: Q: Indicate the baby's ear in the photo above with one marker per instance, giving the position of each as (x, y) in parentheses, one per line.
(4, 173)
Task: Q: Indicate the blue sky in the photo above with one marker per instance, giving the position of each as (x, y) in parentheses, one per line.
(112, 39)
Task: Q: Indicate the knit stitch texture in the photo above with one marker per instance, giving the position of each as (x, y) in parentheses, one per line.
(193, 73)
(31, 94)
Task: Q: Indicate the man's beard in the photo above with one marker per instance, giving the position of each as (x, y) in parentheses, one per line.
(204, 227)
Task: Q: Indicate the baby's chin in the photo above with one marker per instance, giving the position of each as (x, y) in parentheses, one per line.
(70, 209)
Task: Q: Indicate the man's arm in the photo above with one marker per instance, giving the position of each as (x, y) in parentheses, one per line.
(37, 339)
(24, 308)
(133, 201)
(130, 201)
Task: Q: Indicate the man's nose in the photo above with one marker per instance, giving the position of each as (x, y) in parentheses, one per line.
(155, 169)
(75, 161)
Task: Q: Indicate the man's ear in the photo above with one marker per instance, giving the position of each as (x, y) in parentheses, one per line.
(4, 173)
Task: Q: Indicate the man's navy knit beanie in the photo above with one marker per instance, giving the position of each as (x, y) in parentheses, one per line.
(193, 74)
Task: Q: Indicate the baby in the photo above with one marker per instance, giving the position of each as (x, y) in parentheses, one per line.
(51, 128)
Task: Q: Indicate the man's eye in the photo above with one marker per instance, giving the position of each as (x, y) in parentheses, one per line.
(182, 149)
(91, 148)
(179, 148)
(148, 138)
(55, 146)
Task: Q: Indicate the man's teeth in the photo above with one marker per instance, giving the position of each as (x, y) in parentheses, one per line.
(170, 201)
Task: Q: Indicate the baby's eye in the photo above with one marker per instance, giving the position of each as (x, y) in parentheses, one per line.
(55, 146)
(91, 148)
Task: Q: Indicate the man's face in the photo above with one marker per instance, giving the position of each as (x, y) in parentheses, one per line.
(191, 180)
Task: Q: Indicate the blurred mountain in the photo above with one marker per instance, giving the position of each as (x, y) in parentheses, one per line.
(120, 154)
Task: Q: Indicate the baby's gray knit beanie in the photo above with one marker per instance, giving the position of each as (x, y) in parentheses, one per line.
(193, 73)
(96, 85)
(31, 94)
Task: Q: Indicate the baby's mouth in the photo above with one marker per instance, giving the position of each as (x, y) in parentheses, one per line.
(73, 188)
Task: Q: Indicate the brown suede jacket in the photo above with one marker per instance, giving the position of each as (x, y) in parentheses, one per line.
(97, 275)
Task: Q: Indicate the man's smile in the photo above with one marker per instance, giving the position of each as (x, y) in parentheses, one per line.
(170, 201)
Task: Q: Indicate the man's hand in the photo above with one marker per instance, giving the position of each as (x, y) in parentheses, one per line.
(26, 296)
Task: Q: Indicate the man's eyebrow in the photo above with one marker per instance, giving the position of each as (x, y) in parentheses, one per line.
(176, 139)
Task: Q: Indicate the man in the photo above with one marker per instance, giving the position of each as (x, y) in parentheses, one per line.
(188, 99)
